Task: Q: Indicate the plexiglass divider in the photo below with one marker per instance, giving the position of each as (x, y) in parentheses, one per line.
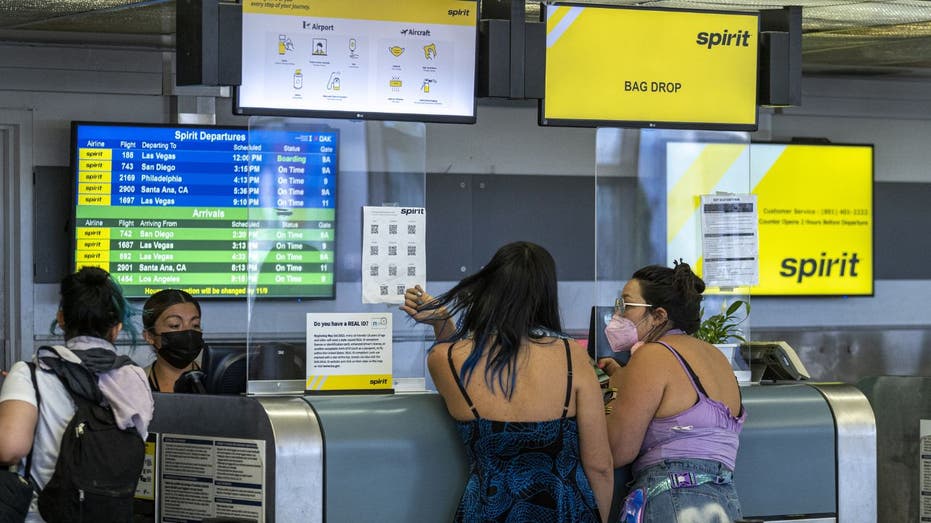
(306, 186)
(650, 187)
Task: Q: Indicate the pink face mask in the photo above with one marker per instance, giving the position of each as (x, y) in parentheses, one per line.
(622, 334)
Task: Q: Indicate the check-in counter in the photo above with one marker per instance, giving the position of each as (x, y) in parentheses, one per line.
(903, 434)
(807, 454)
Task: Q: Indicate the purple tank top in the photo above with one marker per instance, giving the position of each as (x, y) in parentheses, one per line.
(706, 430)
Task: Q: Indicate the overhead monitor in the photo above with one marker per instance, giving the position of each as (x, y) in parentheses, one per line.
(814, 210)
(216, 211)
(626, 66)
(363, 59)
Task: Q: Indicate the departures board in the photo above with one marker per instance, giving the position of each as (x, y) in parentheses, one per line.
(216, 211)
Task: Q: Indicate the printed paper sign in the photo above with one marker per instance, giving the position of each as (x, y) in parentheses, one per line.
(349, 352)
(206, 477)
(393, 252)
(730, 240)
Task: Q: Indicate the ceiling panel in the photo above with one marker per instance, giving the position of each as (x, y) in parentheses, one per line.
(839, 37)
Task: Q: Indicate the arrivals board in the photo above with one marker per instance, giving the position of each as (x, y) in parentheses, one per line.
(216, 211)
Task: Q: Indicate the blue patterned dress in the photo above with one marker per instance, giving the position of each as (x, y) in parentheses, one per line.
(524, 471)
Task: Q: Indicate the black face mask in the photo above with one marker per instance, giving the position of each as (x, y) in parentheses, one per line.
(180, 348)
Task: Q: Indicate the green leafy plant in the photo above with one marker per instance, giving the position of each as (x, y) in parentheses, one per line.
(723, 327)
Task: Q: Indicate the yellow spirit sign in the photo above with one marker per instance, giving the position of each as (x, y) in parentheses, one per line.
(640, 67)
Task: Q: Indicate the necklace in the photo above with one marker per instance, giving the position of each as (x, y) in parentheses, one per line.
(153, 378)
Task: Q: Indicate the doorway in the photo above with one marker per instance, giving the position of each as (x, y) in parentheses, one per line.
(16, 296)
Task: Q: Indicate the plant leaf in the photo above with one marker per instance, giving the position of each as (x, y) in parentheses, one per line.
(734, 307)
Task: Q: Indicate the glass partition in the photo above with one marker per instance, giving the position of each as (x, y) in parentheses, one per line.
(307, 186)
(308, 237)
(655, 193)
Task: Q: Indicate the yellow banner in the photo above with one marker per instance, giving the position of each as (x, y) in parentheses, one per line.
(816, 222)
(95, 165)
(350, 382)
(92, 257)
(815, 210)
(93, 199)
(94, 176)
(94, 188)
(651, 65)
(448, 12)
(94, 244)
(95, 154)
(93, 233)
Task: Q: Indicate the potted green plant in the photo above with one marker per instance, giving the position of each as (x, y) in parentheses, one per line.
(723, 331)
(724, 327)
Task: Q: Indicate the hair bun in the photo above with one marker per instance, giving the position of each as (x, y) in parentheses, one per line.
(686, 280)
(93, 276)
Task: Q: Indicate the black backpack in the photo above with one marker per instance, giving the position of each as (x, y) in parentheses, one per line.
(98, 463)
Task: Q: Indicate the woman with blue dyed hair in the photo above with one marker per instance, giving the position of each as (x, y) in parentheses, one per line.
(524, 396)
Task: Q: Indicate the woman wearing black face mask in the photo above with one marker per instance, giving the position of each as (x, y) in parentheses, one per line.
(171, 322)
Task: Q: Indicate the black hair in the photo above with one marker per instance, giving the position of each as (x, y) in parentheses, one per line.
(500, 305)
(157, 303)
(678, 290)
(92, 303)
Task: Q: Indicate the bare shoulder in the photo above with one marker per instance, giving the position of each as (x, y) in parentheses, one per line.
(651, 361)
(438, 354)
(577, 350)
(700, 351)
(651, 353)
(580, 356)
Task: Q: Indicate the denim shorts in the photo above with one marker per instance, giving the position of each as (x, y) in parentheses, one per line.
(712, 502)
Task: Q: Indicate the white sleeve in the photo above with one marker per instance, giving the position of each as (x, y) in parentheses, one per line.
(18, 385)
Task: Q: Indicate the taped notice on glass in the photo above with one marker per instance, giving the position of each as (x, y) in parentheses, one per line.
(393, 252)
(730, 240)
(209, 477)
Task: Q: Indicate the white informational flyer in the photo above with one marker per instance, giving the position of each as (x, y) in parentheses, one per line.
(210, 477)
(393, 252)
(924, 490)
(349, 352)
(730, 240)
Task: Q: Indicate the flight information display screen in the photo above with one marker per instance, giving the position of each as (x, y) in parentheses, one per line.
(216, 211)
(361, 59)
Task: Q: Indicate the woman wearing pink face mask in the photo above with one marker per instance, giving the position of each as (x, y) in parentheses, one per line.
(678, 413)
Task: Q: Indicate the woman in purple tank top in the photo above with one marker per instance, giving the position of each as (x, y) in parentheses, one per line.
(678, 413)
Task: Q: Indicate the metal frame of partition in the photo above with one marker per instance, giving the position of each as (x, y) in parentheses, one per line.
(299, 454)
(856, 452)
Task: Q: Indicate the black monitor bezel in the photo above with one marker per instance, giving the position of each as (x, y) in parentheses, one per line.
(72, 224)
(238, 109)
(648, 124)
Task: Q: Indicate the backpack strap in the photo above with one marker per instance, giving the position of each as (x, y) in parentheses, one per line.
(35, 385)
(79, 380)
